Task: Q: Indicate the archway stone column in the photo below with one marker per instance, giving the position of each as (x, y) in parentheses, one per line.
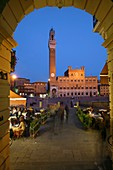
(6, 44)
(109, 45)
(110, 77)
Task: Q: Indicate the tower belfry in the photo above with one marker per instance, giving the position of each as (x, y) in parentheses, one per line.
(52, 55)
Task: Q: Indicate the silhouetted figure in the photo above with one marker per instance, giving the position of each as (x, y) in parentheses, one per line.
(71, 103)
(67, 112)
(61, 112)
(103, 133)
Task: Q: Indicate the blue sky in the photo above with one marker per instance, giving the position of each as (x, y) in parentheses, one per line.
(76, 44)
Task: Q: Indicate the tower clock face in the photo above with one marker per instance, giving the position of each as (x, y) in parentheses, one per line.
(52, 75)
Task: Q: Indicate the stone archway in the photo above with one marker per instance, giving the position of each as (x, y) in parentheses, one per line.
(12, 12)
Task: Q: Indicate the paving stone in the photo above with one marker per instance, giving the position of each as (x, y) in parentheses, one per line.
(72, 148)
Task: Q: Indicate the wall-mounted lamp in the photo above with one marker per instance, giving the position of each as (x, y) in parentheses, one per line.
(3, 75)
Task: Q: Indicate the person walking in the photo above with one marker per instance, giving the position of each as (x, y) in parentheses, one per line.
(59, 118)
(67, 112)
(61, 112)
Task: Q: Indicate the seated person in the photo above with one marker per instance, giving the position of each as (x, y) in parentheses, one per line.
(18, 131)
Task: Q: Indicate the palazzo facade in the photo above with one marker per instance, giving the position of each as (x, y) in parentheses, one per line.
(74, 83)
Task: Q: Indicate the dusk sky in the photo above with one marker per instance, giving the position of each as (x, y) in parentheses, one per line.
(76, 44)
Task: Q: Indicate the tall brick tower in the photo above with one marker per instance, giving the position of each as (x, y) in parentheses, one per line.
(52, 64)
(52, 55)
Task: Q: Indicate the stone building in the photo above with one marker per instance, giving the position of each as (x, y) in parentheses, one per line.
(40, 88)
(23, 87)
(104, 83)
(74, 83)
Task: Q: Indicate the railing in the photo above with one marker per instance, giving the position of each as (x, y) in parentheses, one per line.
(35, 129)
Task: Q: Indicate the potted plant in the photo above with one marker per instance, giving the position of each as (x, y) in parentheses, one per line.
(13, 60)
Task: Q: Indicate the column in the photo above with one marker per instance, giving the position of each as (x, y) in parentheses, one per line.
(5, 57)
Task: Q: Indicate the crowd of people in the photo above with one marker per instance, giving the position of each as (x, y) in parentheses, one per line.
(20, 119)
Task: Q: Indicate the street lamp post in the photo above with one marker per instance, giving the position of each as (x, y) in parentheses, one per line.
(48, 87)
(12, 82)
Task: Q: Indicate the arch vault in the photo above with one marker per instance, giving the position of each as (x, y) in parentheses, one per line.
(11, 13)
